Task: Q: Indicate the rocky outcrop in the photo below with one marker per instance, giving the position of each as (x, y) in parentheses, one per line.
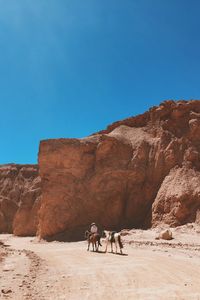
(19, 199)
(178, 198)
(139, 172)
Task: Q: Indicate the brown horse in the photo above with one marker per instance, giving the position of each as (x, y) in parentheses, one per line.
(94, 239)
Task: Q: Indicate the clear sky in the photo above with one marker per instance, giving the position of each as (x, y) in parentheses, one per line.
(68, 68)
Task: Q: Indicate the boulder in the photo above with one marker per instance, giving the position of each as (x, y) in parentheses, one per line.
(165, 234)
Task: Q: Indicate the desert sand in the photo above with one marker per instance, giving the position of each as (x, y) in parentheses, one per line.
(149, 269)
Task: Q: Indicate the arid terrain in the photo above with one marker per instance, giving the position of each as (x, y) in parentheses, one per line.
(149, 269)
(142, 172)
(139, 172)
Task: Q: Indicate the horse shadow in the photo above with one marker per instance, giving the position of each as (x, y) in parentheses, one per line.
(121, 254)
(103, 252)
(99, 252)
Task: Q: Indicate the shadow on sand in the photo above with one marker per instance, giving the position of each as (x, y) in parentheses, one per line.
(103, 252)
(121, 254)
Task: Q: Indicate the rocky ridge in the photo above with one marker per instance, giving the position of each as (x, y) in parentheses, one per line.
(139, 172)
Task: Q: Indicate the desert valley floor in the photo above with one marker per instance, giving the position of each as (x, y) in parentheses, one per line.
(149, 269)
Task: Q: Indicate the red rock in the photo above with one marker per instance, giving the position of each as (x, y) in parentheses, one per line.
(178, 199)
(19, 198)
(139, 172)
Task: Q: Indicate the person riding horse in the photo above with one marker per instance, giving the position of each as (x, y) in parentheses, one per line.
(93, 237)
(93, 228)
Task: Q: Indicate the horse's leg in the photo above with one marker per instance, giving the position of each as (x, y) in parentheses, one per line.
(88, 245)
(106, 246)
(116, 245)
(111, 246)
(97, 244)
(93, 245)
(97, 247)
(120, 249)
(120, 244)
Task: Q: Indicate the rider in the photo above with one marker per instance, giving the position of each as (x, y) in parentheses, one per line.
(93, 228)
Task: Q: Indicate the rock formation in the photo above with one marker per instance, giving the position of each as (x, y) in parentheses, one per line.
(139, 172)
(19, 199)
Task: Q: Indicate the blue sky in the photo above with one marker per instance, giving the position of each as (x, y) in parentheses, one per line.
(68, 68)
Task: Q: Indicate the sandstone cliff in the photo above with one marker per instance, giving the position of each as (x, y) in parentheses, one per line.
(19, 199)
(139, 172)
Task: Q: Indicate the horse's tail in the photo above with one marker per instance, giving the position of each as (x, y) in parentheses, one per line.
(120, 242)
(99, 242)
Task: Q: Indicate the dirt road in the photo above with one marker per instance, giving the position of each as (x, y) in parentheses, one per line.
(32, 270)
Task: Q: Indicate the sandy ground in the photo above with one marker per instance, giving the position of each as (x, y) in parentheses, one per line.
(149, 269)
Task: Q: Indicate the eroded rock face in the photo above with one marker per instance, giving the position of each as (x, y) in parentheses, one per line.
(178, 198)
(19, 199)
(113, 177)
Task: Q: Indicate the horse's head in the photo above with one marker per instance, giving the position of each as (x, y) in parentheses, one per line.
(105, 233)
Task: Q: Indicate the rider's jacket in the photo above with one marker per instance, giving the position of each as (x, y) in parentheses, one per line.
(93, 229)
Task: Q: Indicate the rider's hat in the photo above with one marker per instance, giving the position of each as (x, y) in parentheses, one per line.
(93, 224)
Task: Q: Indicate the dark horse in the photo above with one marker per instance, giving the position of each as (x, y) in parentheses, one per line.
(94, 239)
